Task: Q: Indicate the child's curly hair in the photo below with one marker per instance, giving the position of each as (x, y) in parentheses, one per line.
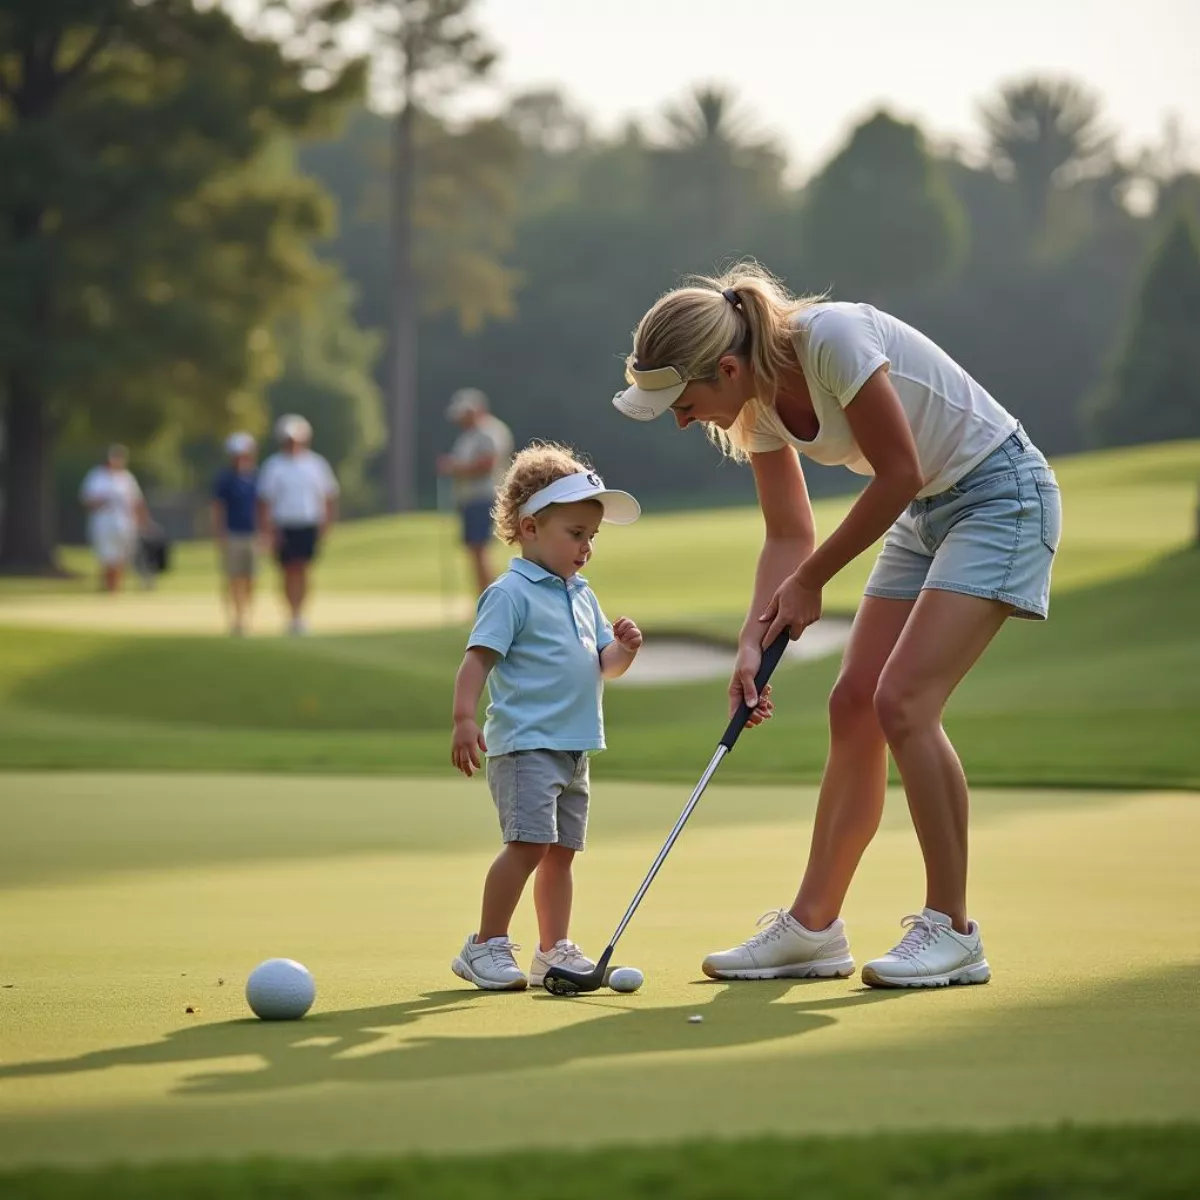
(535, 467)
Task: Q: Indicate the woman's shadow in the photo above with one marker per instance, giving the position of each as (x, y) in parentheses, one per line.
(371, 1045)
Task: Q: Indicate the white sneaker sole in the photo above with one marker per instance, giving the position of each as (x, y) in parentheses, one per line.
(462, 969)
(822, 968)
(978, 972)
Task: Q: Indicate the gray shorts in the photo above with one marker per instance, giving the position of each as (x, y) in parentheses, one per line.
(541, 795)
(241, 555)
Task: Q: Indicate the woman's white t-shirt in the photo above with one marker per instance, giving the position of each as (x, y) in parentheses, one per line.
(955, 423)
(112, 497)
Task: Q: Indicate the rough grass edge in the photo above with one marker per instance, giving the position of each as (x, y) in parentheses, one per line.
(1153, 1161)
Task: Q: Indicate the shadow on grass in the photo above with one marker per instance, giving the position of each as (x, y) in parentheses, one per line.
(372, 1045)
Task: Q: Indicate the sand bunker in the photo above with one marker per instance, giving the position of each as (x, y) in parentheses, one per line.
(681, 659)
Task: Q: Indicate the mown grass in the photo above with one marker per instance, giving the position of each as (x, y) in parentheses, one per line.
(1123, 508)
(1070, 1163)
(1107, 693)
(134, 906)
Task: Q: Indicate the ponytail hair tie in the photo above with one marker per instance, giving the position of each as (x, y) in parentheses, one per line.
(732, 297)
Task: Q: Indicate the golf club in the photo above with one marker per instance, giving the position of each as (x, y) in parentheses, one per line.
(561, 982)
(445, 505)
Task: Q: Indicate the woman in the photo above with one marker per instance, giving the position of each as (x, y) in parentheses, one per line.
(972, 516)
(116, 511)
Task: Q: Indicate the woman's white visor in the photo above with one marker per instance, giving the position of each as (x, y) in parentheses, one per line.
(651, 393)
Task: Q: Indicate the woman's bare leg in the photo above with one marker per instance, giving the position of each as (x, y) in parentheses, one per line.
(855, 776)
(942, 640)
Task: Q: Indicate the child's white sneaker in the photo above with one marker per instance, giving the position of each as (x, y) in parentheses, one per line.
(562, 954)
(785, 949)
(930, 954)
(490, 965)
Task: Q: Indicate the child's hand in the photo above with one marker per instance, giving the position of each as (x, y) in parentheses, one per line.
(468, 742)
(628, 634)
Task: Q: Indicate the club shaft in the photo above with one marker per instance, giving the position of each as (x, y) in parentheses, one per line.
(662, 854)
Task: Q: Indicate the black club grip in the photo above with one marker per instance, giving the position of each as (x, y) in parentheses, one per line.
(770, 660)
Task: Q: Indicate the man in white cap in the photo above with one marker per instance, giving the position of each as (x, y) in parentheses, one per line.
(297, 503)
(476, 465)
(235, 525)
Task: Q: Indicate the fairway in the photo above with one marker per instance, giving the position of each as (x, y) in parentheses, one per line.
(1123, 510)
(127, 898)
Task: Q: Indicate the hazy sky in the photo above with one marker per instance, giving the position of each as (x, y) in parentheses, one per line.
(805, 70)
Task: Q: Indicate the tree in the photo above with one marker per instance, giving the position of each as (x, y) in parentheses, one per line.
(463, 214)
(144, 253)
(555, 142)
(326, 375)
(880, 217)
(424, 50)
(1153, 393)
(712, 171)
(1043, 132)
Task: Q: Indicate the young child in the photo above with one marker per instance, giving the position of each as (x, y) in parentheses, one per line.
(544, 648)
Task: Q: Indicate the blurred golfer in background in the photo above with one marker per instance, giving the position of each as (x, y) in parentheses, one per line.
(116, 512)
(476, 464)
(297, 503)
(235, 525)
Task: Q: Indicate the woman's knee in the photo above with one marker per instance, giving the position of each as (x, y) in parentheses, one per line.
(900, 709)
(850, 703)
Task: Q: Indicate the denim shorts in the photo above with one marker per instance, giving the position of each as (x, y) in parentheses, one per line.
(993, 534)
(476, 522)
(541, 796)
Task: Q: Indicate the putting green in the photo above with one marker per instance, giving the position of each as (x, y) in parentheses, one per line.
(128, 898)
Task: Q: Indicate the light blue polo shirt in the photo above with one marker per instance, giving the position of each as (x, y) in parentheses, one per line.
(546, 689)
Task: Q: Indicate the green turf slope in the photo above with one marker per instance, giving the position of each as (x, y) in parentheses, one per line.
(129, 899)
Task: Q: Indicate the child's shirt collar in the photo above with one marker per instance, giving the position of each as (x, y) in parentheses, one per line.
(536, 573)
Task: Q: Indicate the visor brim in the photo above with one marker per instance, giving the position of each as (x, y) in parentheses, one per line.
(620, 508)
(644, 405)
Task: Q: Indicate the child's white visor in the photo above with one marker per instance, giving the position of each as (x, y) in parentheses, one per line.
(619, 507)
(652, 393)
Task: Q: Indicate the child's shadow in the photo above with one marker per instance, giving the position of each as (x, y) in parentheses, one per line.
(368, 1045)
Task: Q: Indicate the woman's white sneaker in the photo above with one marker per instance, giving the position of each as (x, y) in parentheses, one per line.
(784, 949)
(930, 954)
(562, 954)
(490, 965)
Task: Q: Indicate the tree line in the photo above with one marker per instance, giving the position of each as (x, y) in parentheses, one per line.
(203, 225)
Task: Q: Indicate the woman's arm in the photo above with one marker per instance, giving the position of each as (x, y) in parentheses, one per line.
(790, 530)
(790, 537)
(881, 429)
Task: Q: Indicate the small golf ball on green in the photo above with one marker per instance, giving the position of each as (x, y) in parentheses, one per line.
(695, 1019)
(626, 979)
(280, 989)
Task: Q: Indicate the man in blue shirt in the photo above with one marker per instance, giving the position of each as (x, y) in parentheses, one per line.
(235, 525)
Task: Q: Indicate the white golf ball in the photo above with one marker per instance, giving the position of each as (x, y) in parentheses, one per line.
(695, 1019)
(280, 989)
(626, 979)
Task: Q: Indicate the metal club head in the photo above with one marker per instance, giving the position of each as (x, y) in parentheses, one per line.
(561, 982)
